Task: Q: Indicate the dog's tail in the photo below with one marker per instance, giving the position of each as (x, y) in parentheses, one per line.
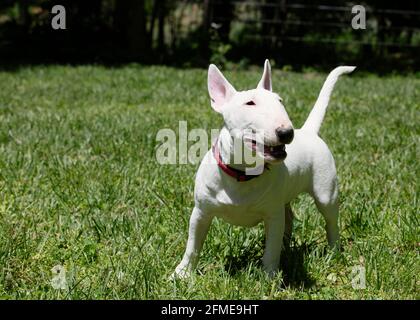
(313, 123)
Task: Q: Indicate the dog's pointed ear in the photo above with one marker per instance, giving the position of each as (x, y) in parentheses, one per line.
(220, 89)
(265, 82)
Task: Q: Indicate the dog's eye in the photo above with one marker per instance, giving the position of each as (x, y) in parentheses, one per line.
(250, 103)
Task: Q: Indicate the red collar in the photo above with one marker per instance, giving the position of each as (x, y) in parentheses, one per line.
(239, 175)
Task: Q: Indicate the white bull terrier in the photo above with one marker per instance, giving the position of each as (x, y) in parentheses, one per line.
(295, 161)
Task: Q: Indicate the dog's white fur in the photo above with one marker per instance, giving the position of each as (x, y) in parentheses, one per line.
(308, 167)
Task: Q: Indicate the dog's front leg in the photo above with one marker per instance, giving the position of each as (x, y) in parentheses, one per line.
(274, 231)
(199, 226)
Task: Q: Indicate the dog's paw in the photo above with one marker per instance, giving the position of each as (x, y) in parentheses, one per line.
(271, 271)
(335, 246)
(180, 273)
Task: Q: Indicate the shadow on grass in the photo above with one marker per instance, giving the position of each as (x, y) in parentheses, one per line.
(292, 264)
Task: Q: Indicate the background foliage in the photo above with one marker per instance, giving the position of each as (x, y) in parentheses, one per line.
(192, 33)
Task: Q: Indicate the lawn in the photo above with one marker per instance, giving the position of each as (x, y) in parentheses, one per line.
(82, 193)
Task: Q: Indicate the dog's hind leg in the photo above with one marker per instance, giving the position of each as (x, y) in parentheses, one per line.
(288, 224)
(330, 213)
(325, 194)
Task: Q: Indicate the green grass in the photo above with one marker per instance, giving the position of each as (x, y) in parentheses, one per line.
(80, 187)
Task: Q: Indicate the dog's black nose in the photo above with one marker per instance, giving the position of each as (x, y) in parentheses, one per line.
(285, 135)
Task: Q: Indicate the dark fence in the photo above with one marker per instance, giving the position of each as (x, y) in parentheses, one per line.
(298, 33)
(293, 33)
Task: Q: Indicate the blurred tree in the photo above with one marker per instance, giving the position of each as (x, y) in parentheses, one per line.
(273, 18)
(161, 24)
(130, 20)
(207, 14)
(222, 15)
(24, 17)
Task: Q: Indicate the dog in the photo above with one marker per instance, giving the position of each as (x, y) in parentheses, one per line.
(295, 161)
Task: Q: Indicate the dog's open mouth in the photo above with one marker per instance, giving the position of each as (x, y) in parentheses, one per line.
(277, 152)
